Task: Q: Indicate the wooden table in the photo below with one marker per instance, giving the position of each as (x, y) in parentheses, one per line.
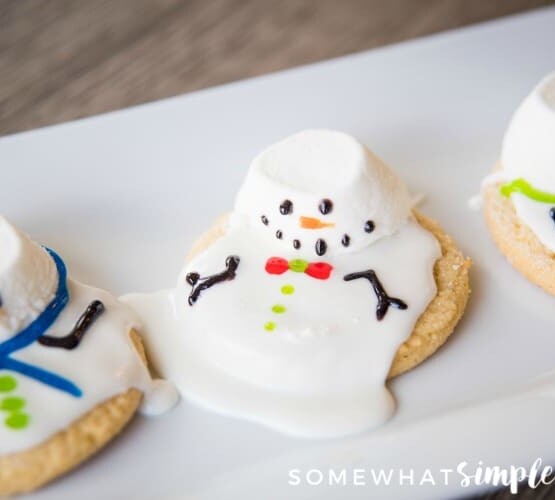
(66, 59)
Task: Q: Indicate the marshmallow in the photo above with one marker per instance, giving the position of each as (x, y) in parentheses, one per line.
(28, 280)
(529, 144)
(529, 153)
(288, 183)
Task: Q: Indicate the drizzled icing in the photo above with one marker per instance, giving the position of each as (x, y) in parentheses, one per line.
(199, 283)
(73, 338)
(384, 300)
(296, 340)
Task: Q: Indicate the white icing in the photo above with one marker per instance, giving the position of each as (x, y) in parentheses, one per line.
(316, 164)
(321, 371)
(160, 396)
(28, 280)
(103, 365)
(475, 202)
(529, 153)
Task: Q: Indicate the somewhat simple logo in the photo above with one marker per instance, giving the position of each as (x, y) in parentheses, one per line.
(463, 475)
(506, 476)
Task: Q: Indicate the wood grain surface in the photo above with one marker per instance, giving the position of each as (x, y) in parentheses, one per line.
(65, 59)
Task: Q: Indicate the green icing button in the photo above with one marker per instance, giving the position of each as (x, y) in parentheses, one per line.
(270, 326)
(298, 265)
(279, 309)
(287, 289)
(12, 404)
(523, 187)
(7, 383)
(17, 421)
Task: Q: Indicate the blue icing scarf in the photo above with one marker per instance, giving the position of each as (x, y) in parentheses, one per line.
(35, 330)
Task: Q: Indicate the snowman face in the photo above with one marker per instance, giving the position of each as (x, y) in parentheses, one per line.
(320, 193)
(309, 225)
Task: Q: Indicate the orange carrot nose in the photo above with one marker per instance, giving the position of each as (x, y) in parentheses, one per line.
(313, 223)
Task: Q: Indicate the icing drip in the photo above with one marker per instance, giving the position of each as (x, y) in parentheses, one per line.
(313, 366)
(384, 300)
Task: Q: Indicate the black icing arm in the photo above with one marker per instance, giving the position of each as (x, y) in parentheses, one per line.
(200, 283)
(73, 338)
(384, 300)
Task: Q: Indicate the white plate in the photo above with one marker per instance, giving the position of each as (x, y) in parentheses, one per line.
(123, 195)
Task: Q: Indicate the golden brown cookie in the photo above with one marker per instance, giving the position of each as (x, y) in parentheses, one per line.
(516, 240)
(437, 322)
(30, 469)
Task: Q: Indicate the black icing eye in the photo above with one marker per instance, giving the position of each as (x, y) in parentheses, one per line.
(286, 207)
(369, 226)
(325, 206)
(264, 220)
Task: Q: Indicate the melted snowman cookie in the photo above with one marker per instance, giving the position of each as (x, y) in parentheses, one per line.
(72, 371)
(292, 312)
(519, 198)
